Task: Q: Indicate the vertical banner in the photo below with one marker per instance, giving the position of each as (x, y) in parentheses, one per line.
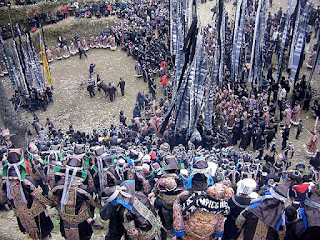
(20, 72)
(284, 40)
(222, 50)
(7, 62)
(315, 62)
(45, 62)
(238, 44)
(295, 33)
(25, 61)
(34, 63)
(15, 72)
(255, 43)
(171, 26)
(299, 46)
(235, 36)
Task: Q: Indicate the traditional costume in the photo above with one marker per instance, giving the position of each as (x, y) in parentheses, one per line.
(237, 203)
(58, 51)
(199, 212)
(166, 190)
(92, 42)
(36, 164)
(312, 59)
(49, 55)
(312, 145)
(287, 113)
(3, 67)
(264, 218)
(6, 142)
(85, 45)
(26, 196)
(73, 49)
(66, 53)
(40, 57)
(76, 203)
(137, 215)
(113, 45)
(296, 114)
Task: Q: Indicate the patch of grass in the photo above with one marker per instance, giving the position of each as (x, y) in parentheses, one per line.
(69, 27)
(18, 13)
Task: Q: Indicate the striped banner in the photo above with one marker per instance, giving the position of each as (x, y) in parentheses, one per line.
(180, 56)
(36, 60)
(171, 26)
(25, 61)
(15, 72)
(284, 40)
(298, 48)
(34, 63)
(255, 61)
(197, 88)
(235, 36)
(7, 62)
(315, 62)
(187, 14)
(222, 50)
(45, 62)
(295, 34)
(212, 85)
(22, 80)
(238, 43)
(189, 75)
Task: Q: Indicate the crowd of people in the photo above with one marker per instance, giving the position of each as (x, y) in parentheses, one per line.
(155, 187)
(234, 181)
(36, 19)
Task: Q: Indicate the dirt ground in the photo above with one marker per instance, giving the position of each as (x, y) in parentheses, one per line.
(73, 104)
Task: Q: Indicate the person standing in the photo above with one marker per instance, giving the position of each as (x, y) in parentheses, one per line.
(91, 68)
(285, 136)
(6, 142)
(121, 84)
(136, 112)
(98, 79)
(312, 144)
(282, 95)
(49, 124)
(108, 10)
(237, 203)
(90, 87)
(299, 129)
(112, 90)
(64, 10)
(49, 95)
(308, 39)
(307, 99)
(163, 83)
(166, 193)
(82, 52)
(196, 211)
(123, 119)
(28, 198)
(76, 200)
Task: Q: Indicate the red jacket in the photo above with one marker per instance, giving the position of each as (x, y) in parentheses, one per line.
(64, 9)
(164, 80)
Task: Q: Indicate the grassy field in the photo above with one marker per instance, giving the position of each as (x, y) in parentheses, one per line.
(68, 28)
(18, 13)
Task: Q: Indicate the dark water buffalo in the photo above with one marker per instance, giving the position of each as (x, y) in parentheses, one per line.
(104, 86)
(37, 126)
